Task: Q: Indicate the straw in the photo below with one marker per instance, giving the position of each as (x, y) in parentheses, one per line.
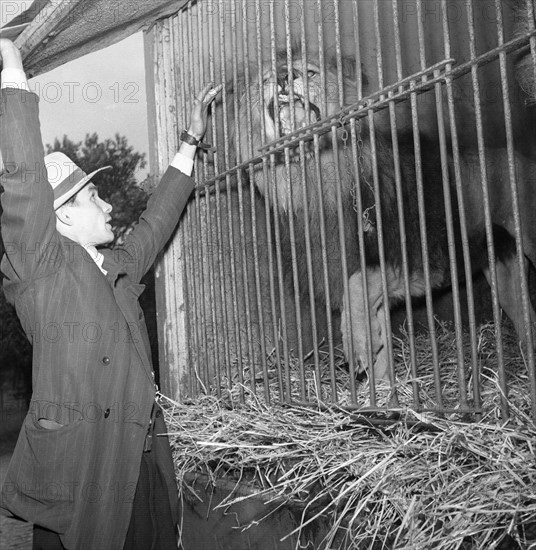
(422, 481)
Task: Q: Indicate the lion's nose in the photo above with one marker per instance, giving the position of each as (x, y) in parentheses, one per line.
(283, 78)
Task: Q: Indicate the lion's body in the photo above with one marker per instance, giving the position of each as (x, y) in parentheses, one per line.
(273, 115)
(525, 22)
(435, 222)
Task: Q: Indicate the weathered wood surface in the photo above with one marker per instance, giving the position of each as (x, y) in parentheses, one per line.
(63, 30)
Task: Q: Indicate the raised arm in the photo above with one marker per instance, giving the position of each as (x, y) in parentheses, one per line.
(168, 200)
(28, 221)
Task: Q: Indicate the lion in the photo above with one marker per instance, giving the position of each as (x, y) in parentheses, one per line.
(525, 22)
(290, 98)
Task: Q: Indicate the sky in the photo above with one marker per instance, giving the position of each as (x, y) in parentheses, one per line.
(103, 92)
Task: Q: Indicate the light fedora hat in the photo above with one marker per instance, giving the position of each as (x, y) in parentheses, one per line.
(65, 177)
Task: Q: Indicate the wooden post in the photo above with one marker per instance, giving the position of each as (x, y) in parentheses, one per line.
(169, 269)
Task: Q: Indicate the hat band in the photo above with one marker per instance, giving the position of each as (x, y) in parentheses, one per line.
(69, 182)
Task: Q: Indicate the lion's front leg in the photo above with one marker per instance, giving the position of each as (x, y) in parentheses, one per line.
(356, 337)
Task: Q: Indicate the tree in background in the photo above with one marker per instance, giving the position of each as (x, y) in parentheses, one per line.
(121, 189)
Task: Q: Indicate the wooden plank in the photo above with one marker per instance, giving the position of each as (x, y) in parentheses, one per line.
(169, 270)
(64, 30)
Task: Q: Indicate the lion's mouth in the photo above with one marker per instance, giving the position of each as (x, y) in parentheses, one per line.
(301, 117)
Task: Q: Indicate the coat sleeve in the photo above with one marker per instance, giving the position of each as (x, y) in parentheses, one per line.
(28, 220)
(156, 224)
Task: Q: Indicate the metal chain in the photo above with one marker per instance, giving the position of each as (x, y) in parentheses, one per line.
(368, 224)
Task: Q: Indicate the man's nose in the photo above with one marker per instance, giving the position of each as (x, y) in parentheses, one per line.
(283, 78)
(106, 207)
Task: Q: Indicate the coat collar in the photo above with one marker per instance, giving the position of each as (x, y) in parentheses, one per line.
(113, 268)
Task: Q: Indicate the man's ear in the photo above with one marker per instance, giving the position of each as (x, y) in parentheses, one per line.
(64, 215)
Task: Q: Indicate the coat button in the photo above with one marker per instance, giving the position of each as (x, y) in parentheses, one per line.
(105, 360)
(106, 413)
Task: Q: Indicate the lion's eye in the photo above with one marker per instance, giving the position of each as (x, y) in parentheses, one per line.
(311, 73)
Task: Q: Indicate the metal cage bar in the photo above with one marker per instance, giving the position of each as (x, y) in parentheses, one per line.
(514, 196)
(256, 307)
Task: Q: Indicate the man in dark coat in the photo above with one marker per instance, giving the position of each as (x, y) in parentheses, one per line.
(88, 469)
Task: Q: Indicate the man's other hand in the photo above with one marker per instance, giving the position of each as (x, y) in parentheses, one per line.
(10, 55)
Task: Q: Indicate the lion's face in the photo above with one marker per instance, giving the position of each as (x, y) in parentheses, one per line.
(279, 101)
(285, 101)
(297, 99)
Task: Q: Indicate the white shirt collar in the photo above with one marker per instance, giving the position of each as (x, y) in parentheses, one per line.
(96, 256)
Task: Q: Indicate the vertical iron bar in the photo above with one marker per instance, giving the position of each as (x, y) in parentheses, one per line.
(285, 396)
(424, 244)
(260, 314)
(531, 17)
(451, 246)
(295, 280)
(218, 232)
(338, 50)
(271, 275)
(191, 299)
(275, 210)
(398, 47)
(340, 183)
(199, 275)
(358, 206)
(486, 198)
(401, 215)
(381, 254)
(242, 232)
(379, 56)
(309, 263)
(468, 272)
(223, 69)
(192, 77)
(325, 270)
(378, 202)
(344, 265)
(305, 194)
(215, 289)
(321, 60)
(270, 247)
(191, 291)
(461, 371)
(324, 110)
(358, 69)
(420, 34)
(215, 370)
(355, 127)
(525, 298)
(290, 206)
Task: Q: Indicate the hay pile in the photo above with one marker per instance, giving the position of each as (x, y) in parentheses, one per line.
(403, 485)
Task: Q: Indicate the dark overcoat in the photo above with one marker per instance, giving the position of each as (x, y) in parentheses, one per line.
(92, 369)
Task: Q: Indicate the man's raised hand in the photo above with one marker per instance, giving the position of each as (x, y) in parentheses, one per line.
(198, 119)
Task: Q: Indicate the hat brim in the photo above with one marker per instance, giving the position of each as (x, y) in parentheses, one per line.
(60, 201)
(13, 31)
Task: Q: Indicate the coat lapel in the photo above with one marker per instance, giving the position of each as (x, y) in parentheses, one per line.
(124, 291)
